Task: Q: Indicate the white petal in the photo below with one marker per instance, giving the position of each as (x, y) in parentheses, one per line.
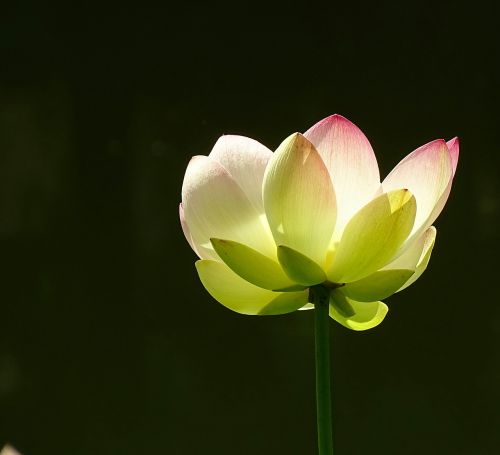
(351, 163)
(185, 229)
(239, 295)
(215, 206)
(299, 200)
(246, 160)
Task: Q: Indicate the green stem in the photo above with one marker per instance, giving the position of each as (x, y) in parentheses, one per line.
(319, 296)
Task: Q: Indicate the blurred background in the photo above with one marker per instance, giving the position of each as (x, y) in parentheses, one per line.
(110, 345)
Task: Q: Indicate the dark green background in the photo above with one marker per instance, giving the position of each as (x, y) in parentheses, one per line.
(110, 345)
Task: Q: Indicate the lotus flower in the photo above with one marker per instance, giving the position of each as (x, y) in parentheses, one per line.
(268, 226)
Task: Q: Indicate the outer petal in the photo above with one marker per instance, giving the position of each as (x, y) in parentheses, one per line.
(378, 285)
(351, 163)
(373, 235)
(239, 295)
(185, 229)
(215, 206)
(414, 253)
(366, 315)
(398, 274)
(300, 268)
(427, 173)
(425, 256)
(299, 198)
(454, 148)
(246, 160)
(251, 265)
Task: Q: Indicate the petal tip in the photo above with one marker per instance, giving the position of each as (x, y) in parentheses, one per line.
(296, 137)
(195, 158)
(333, 119)
(454, 149)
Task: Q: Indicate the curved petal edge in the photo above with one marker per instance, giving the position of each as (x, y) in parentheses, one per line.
(239, 295)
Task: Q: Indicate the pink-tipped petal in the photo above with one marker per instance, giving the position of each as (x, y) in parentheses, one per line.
(352, 165)
(427, 173)
(214, 205)
(454, 148)
(246, 160)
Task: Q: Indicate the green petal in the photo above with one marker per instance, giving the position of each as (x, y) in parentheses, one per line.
(239, 295)
(300, 268)
(378, 285)
(251, 265)
(299, 199)
(429, 241)
(373, 235)
(366, 314)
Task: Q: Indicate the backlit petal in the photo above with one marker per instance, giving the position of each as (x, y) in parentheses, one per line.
(246, 160)
(425, 256)
(414, 253)
(243, 297)
(298, 198)
(454, 148)
(300, 268)
(366, 315)
(373, 235)
(427, 173)
(185, 229)
(378, 285)
(251, 265)
(351, 163)
(215, 206)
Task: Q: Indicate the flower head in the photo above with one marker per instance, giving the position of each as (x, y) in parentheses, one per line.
(268, 226)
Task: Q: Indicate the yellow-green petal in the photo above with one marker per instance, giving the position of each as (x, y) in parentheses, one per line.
(251, 265)
(429, 241)
(366, 314)
(299, 267)
(378, 285)
(373, 236)
(239, 295)
(299, 200)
